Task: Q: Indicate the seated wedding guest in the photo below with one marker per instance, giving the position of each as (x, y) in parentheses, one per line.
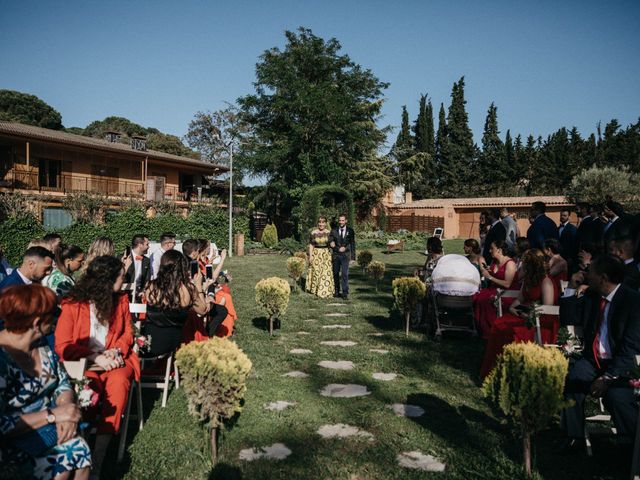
(69, 259)
(169, 298)
(496, 231)
(587, 252)
(138, 274)
(500, 274)
(53, 240)
(35, 393)
(100, 247)
(558, 267)
(37, 263)
(624, 248)
(610, 314)
(214, 254)
(521, 246)
(203, 254)
(537, 287)
(167, 242)
(472, 251)
(511, 226)
(434, 253)
(542, 227)
(95, 323)
(38, 242)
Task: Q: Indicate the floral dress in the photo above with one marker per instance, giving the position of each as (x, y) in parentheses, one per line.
(21, 393)
(320, 274)
(59, 283)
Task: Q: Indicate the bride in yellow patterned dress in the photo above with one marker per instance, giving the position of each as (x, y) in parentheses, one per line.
(320, 275)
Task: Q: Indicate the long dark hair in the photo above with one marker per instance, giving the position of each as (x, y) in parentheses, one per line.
(96, 286)
(173, 274)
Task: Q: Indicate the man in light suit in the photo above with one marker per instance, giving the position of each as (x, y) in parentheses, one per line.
(342, 241)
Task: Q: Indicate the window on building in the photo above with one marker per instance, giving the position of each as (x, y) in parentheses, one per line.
(56, 218)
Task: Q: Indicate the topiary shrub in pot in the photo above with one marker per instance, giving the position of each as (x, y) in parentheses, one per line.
(270, 236)
(213, 374)
(527, 386)
(272, 294)
(376, 270)
(295, 268)
(408, 292)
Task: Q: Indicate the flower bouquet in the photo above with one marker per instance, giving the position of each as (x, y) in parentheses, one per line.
(87, 396)
(142, 343)
(570, 345)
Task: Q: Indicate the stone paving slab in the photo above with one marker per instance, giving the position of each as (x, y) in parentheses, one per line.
(300, 351)
(337, 365)
(338, 390)
(295, 374)
(341, 430)
(406, 410)
(277, 451)
(419, 461)
(339, 343)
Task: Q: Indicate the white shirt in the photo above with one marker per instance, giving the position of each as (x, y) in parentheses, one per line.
(24, 279)
(561, 229)
(155, 263)
(98, 335)
(343, 232)
(604, 349)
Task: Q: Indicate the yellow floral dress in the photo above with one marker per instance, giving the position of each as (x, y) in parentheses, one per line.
(320, 274)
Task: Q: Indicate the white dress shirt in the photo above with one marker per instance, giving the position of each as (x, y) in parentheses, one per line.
(98, 335)
(604, 349)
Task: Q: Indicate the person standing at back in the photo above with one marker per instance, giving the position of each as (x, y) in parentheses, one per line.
(497, 231)
(511, 226)
(138, 275)
(542, 228)
(342, 241)
(567, 234)
(167, 242)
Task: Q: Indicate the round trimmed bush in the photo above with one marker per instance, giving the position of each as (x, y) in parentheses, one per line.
(270, 236)
(364, 258)
(408, 292)
(295, 268)
(272, 294)
(376, 270)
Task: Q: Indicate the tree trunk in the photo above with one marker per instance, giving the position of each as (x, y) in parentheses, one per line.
(271, 325)
(407, 318)
(214, 445)
(526, 451)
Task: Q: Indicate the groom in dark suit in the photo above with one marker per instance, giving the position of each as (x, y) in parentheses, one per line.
(342, 241)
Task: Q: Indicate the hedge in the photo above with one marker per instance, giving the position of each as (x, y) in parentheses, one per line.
(203, 222)
(327, 200)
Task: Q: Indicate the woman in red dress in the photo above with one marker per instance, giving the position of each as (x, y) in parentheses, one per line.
(538, 288)
(558, 268)
(500, 274)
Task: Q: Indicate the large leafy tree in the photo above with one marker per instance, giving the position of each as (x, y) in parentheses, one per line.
(313, 116)
(28, 109)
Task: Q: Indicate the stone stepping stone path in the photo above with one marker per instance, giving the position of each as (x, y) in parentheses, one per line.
(339, 343)
(336, 304)
(385, 377)
(277, 451)
(339, 390)
(337, 365)
(279, 405)
(302, 333)
(336, 314)
(379, 350)
(419, 461)
(340, 430)
(309, 320)
(336, 326)
(295, 374)
(406, 410)
(300, 351)
(375, 334)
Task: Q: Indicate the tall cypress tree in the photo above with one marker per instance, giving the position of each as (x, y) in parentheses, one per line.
(424, 150)
(519, 164)
(431, 137)
(442, 153)
(530, 161)
(494, 165)
(408, 168)
(462, 149)
(420, 127)
(509, 155)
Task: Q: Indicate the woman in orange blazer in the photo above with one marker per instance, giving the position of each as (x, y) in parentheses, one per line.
(95, 323)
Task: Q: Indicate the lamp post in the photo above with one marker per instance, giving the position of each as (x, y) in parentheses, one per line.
(231, 199)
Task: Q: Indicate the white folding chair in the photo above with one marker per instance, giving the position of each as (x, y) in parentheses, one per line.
(160, 382)
(505, 294)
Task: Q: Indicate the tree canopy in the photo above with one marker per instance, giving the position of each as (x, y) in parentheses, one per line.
(313, 116)
(28, 109)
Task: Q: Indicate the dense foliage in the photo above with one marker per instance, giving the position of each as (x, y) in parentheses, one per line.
(295, 269)
(313, 116)
(593, 185)
(364, 258)
(325, 200)
(527, 386)
(272, 295)
(449, 163)
(213, 374)
(28, 109)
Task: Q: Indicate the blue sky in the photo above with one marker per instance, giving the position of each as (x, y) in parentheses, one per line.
(545, 64)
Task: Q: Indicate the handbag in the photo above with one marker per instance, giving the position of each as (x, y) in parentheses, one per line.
(37, 441)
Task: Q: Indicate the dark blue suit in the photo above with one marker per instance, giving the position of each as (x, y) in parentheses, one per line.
(542, 229)
(11, 280)
(568, 241)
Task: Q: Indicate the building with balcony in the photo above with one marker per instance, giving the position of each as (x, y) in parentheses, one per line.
(52, 164)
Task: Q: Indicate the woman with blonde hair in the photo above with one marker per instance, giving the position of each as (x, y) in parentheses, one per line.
(99, 247)
(320, 275)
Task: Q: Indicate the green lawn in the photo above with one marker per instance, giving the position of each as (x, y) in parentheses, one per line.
(442, 378)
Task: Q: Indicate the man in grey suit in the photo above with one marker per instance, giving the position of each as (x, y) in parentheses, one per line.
(510, 225)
